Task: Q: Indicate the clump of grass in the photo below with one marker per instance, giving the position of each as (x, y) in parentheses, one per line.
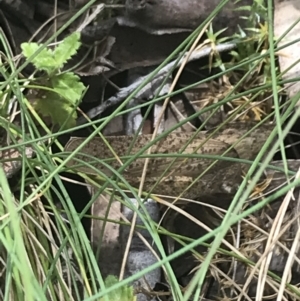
(45, 257)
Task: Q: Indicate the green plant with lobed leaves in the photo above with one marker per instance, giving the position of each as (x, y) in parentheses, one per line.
(59, 92)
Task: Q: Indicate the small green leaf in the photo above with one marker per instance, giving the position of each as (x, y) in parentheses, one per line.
(29, 49)
(124, 293)
(43, 61)
(50, 60)
(58, 109)
(66, 49)
(68, 85)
